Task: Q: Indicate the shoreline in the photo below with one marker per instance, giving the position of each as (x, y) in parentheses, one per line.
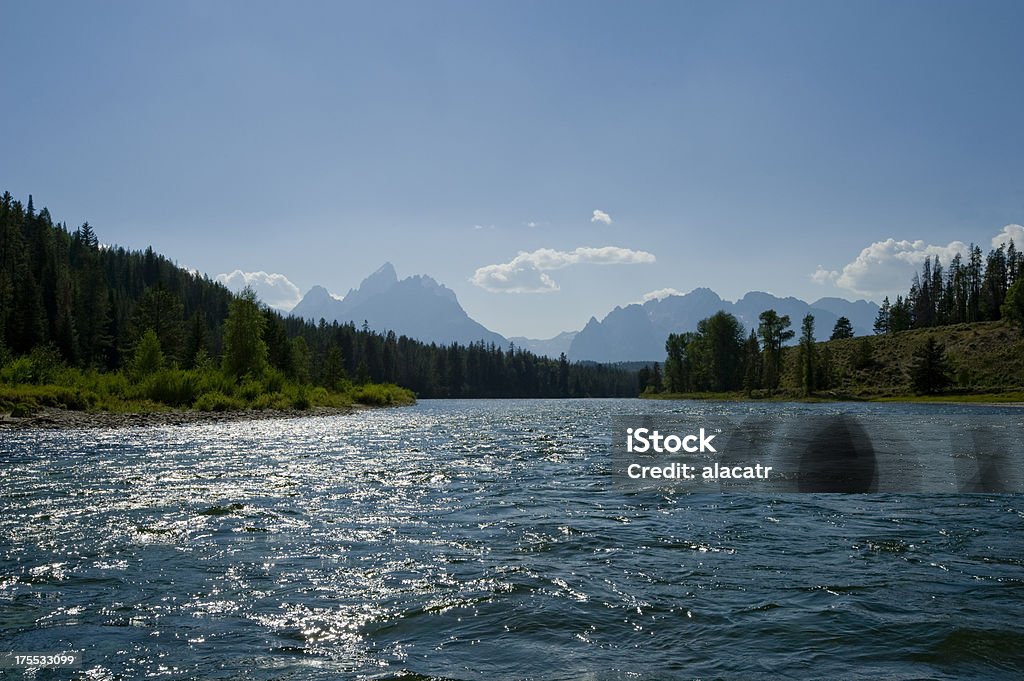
(54, 418)
(976, 399)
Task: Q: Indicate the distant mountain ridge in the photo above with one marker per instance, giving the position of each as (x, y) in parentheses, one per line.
(549, 347)
(417, 306)
(421, 308)
(638, 331)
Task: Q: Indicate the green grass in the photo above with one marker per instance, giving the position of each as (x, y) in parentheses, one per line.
(25, 389)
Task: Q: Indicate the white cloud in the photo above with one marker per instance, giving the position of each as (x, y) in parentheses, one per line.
(273, 289)
(601, 216)
(1014, 232)
(527, 272)
(887, 267)
(533, 223)
(823, 276)
(660, 293)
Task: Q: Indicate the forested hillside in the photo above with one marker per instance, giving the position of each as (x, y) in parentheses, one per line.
(957, 331)
(67, 299)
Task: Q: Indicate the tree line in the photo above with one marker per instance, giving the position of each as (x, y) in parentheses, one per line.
(976, 290)
(107, 308)
(721, 357)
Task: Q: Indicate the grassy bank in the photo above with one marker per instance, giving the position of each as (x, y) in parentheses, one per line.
(985, 360)
(25, 390)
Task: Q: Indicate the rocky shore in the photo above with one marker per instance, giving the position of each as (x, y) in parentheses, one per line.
(51, 418)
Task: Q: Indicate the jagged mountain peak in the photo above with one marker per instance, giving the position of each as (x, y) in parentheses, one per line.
(417, 306)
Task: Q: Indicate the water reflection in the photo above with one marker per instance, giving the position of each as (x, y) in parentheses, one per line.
(481, 540)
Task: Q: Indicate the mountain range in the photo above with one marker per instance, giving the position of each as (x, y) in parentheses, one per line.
(416, 306)
(420, 307)
(638, 331)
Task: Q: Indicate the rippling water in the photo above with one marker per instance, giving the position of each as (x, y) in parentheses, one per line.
(478, 540)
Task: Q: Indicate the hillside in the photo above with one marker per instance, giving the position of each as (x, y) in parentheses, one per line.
(984, 357)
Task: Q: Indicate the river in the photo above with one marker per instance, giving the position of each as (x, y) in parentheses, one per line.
(486, 540)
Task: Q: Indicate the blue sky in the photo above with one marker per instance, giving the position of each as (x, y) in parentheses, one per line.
(740, 146)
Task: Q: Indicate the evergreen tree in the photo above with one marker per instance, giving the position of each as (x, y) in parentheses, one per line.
(864, 354)
(162, 312)
(148, 358)
(334, 368)
(929, 370)
(1013, 306)
(844, 329)
(563, 377)
(807, 354)
(677, 362)
(300, 360)
(824, 375)
(974, 280)
(774, 332)
(198, 339)
(994, 284)
(245, 351)
(900, 316)
(882, 323)
(752, 364)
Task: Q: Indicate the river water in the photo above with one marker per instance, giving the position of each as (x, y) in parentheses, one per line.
(481, 540)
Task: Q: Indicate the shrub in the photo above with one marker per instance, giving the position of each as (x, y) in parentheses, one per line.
(271, 401)
(172, 387)
(273, 381)
(300, 398)
(250, 390)
(382, 394)
(17, 372)
(218, 401)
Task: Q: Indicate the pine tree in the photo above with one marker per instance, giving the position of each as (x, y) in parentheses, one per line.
(774, 332)
(843, 328)
(334, 368)
(882, 324)
(1013, 306)
(148, 357)
(245, 351)
(198, 339)
(929, 372)
(807, 353)
(752, 364)
(162, 312)
(823, 376)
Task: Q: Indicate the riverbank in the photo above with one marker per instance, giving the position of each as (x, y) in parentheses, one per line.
(1005, 399)
(53, 418)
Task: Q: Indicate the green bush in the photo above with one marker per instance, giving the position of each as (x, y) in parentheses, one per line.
(172, 387)
(250, 390)
(300, 397)
(273, 381)
(382, 394)
(218, 401)
(213, 380)
(271, 401)
(18, 371)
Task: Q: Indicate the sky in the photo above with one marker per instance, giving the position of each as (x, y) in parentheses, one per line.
(545, 160)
